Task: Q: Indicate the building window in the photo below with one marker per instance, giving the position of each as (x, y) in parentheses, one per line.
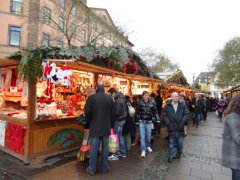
(45, 40)
(60, 44)
(62, 3)
(47, 15)
(83, 18)
(72, 30)
(74, 11)
(14, 36)
(94, 26)
(61, 23)
(83, 35)
(16, 7)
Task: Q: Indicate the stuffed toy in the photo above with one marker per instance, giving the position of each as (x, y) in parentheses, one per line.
(53, 74)
(63, 75)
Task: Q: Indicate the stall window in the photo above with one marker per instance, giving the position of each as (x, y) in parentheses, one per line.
(45, 40)
(61, 22)
(14, 36)
(16, 7)
(47, 15)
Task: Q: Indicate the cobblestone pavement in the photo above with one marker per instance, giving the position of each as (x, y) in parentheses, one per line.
(200, 161)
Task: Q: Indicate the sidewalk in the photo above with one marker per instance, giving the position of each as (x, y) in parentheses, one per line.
(200, 161)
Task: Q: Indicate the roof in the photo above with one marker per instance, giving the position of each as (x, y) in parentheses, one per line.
(205, 77)
(164, 75)
(110, 18)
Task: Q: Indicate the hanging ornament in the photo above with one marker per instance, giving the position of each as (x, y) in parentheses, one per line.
(53, 74)
(63, 75)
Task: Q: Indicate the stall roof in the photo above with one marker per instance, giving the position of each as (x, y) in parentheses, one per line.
(8, 62)
(82, 66)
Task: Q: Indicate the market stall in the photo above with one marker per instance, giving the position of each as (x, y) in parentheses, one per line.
(231, 92)
(38, 111)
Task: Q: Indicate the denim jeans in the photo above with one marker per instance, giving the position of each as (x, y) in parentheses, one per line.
(95, 142)
(145, 134)
(197, 118)
(235, 174)
(172, 141)
(118, 128)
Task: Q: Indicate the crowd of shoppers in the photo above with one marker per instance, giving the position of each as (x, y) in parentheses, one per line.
(137, 119)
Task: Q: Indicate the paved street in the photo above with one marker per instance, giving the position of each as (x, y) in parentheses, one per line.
(201, 161)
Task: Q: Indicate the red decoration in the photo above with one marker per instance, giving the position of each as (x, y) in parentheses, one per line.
(14, 79)
(14, 138)
(72, 136)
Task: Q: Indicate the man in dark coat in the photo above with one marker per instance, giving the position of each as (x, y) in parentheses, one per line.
(159, 103)
(175, 115)
(98, 111)
(198, 108)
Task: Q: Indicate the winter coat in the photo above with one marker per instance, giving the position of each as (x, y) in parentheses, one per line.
(159, 103)
(231, 142)
(146, 111)
(120, 107)
(98, 112)
(221, 106)
(175, 121)
(199, 106)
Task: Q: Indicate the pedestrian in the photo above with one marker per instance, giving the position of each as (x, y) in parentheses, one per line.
(98, 112)
(198, 106)
(159, 103)
(182, 98)
(221, 106)
(145, 113)
(129, 128)
(175, 115)
(205, 109)
(231, 138)
(120, 114)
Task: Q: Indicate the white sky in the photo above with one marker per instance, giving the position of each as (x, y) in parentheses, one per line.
(190, 32)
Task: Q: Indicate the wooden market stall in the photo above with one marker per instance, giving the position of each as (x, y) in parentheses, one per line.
(231, 92)
(38, 121)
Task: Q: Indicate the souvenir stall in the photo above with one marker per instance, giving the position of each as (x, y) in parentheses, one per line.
(40, 99)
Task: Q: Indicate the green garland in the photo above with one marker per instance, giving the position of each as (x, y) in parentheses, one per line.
(65, 138)
(31, 64)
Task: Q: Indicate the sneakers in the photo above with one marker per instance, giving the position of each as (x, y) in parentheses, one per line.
(143, 154)
(113, 158)
(149, 149)
(122, 155)
(170, 160)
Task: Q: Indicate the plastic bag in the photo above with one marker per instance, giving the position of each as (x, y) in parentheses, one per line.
(216, 112)
(113, 142)
(131, 110)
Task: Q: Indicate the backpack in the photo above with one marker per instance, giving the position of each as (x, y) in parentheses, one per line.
(131, 110)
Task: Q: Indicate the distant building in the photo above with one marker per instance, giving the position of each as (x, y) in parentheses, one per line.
(210, 81)
(31, 23)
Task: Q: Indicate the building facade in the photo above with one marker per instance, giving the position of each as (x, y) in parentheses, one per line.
(62, 23)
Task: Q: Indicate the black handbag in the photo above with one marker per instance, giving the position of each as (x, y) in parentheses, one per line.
(82, 120)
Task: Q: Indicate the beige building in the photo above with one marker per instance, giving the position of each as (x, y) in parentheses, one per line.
(63, 23)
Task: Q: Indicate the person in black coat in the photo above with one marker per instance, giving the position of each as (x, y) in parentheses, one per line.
(175, 115)
(198, 108)
(98, 112)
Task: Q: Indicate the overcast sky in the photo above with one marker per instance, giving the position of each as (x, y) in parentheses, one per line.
(190, 32)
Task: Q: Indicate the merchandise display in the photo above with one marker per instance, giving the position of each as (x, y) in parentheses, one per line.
(139, 87)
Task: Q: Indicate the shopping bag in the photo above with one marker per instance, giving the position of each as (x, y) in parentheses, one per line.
(113, 142)
(216, 112)
(83, 153)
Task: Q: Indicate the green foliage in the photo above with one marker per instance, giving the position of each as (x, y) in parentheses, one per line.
(227, 63)
(65, 138)
(31, 64)
(196, 86)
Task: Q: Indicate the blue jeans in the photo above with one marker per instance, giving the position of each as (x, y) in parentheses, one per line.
(235, 174)
(95, 142)
(197, 118)
(118, 128)
(145, 134)
(172, 141)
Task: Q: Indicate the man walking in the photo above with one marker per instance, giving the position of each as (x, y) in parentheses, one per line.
(175, 115)
(198, 107)
(98, 112)
(120, 114)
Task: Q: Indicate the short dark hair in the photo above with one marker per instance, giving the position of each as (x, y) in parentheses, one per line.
(145, 92)
(100, 86)
(112, 90)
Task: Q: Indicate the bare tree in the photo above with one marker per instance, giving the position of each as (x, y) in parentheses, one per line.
(72, 21)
